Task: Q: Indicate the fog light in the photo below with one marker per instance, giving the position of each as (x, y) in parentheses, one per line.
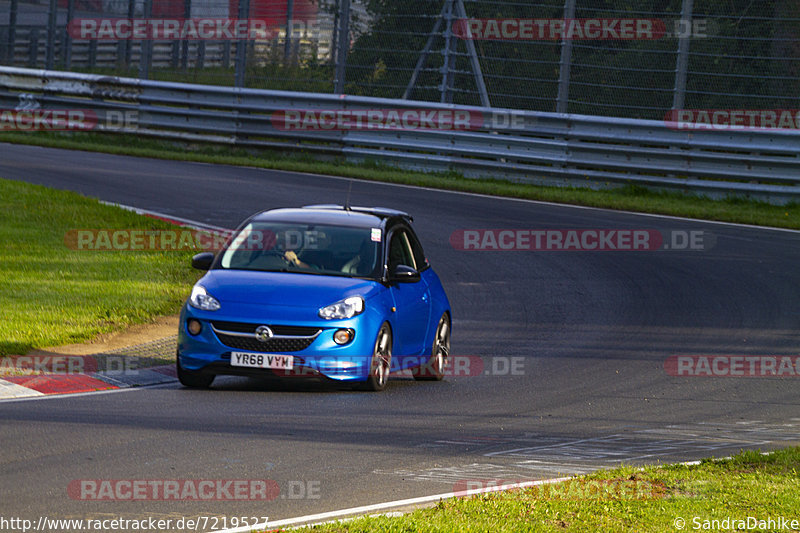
(343, 336)
(194, 326)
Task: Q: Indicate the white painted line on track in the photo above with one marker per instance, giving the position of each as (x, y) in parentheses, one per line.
(202, 225)
(315, 519)
(10, 390)
(182, 221)
(354, 512)
(79, 394)
(526, 200)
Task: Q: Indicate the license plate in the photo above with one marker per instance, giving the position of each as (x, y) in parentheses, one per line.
(262, 360)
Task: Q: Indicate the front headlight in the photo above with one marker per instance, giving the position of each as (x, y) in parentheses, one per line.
(347, 308)
(202, 300)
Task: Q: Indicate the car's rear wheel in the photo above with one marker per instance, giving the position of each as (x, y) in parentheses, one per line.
(434, 369)
(381, 361)
(194, 380)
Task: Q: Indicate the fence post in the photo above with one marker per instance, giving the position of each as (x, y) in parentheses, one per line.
(12, 31)
(187, 14)
(287, 44)
(92, 53)
(226, 54)
(67, 36)
(334, 33)
(128, 44)
(682, 63)
(3, 44)
(241, 46)
(50, 51)
(342, 47)
(201, 55)
(146, 50)
(33, 47)
(448, 65)
(461, 12)
(565, 65)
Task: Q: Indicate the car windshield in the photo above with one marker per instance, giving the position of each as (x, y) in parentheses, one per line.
(304, 248)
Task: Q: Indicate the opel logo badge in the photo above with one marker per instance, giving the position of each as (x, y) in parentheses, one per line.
(263, 333)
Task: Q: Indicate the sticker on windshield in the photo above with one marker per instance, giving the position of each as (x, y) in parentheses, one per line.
(376, 235)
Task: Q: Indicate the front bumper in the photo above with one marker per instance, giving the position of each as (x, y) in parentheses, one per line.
(210, 351)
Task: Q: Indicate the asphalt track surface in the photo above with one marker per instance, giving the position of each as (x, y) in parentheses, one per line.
(593, 331)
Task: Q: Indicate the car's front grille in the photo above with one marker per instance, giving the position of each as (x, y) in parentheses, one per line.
(252, 344)
(242, 336)
(246, 327)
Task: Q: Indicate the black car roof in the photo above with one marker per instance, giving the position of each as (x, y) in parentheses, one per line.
(381, 212)
(332, 214)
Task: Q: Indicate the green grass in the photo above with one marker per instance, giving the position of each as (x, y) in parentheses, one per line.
(631, 198)
(51, 294)
(747, 485)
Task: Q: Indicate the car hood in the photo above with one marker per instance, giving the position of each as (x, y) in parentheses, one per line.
(284, 288)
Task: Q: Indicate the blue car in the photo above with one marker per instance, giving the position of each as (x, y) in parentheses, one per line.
(327, 292)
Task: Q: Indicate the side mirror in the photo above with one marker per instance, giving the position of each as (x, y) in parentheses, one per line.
(405, 274)
(203, 261)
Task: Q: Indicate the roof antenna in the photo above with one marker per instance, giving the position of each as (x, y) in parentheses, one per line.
(347, 202)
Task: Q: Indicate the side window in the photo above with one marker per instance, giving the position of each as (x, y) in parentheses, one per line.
(400, 251)
(416, 249)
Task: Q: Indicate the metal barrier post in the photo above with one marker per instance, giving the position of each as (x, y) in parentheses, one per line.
(565, 65)
(67, 36)
(3, 44)
(287, 44)
(187, 13)
(128, 43)
(682, 64)
(342, 46)
(241, 46)
(146, 53)
(92, 53)
(449, 63)
(461, 11)
(12, 32)
(50, 54)
(33, 47)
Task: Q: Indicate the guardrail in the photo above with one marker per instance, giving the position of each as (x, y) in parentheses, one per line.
(524, 146)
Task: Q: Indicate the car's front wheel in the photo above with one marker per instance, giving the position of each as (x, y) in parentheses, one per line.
(434, 369)
(194, 380)
(381, 361)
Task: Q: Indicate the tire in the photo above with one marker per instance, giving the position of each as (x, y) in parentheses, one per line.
(193, 380)
(434, 369)
(381, 363)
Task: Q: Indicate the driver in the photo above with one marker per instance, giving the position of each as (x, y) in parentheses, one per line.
(290, 255)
